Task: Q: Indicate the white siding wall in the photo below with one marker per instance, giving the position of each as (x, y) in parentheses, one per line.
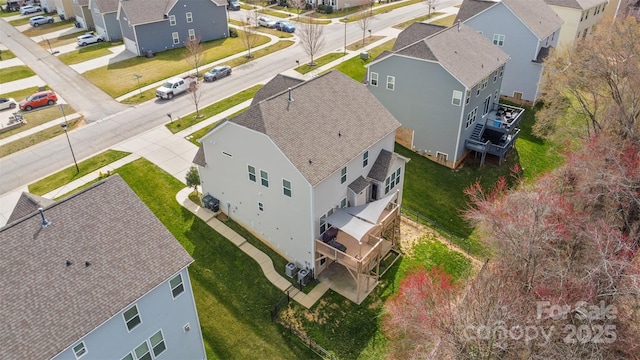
(573, 27)
(285, 221)
(158, 310)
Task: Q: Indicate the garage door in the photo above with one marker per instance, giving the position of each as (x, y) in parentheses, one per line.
(131, 46)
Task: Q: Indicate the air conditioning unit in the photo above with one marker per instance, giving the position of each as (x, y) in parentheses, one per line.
(303, 277)
(290, 269)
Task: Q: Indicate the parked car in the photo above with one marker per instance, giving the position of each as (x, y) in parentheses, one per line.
(28, 9)
(7, 103)
(266, 22)
(233, 5)
(174, 86)
(38, 99)
(89, 38)
(217, 73)
(40, 20)
(285, 26)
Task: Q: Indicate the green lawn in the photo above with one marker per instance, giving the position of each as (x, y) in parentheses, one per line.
(213, 109)
(406, 24)
(113, 78)
(232, 295)
(86, 53)
(15, 73)
(355, 67)
(70, 174)
(305, 68)
(40, 136)
(7, 54)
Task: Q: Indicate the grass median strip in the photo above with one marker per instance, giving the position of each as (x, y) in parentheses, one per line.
(15, 73)
(86, 53)
(70, 174)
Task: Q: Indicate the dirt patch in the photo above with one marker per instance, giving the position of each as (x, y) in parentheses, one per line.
(222, 217)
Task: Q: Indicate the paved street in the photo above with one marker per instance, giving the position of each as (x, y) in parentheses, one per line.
(139, 128)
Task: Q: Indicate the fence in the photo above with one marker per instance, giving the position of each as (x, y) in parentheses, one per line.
(306, 340)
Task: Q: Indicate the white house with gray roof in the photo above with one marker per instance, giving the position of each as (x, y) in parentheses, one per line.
(95, 276)
(579, 16)
(159, 25)
(524, 29)
(443, 85)
(307, 166)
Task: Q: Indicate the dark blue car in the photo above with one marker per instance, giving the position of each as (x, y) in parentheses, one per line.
(285, 26)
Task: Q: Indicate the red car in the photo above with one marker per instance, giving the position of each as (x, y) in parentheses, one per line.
(38, 99)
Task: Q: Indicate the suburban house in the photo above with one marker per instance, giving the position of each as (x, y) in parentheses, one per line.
(579, 16)
(105, 18)
(443, 85)
(64, 8)
(524, 29)
(340, 4)
(95, 276)
(48, 6)
(150, 26)
(312, 172)
(83, 14)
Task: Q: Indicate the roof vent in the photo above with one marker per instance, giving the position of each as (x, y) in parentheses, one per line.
(310, 161)
(69, 263)
(290, 98)
(339, 134)
(45, 222)
(87, 264)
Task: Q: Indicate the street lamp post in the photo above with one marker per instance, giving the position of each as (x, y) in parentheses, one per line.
(345, 34)
(64, 127)
(138, 79)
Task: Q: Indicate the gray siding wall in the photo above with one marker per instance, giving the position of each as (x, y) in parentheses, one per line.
(97, 17)
(421, 101)
(126, 29)
(521, 73)
(113, 26)
(209, 22)
(158, 311)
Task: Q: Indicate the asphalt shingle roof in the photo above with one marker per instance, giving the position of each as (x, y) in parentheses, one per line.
(46, 305)
(358, 184)
(146, 11)
(465, 53)
(576, 4)
(469, 8)
(28, 203)
(380, 167)
(414, 32)
(107, 6)
(331, 120)
(276, 85)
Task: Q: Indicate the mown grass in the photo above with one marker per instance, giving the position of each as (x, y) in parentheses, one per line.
(35, 138)
(47, 28)
(60, 40)
(112, 78)
(445, 21)
(232, 295)
(213, 109)
(70, 174)
(424, 18)
(15, 73)
(86, 53)
(323, 60)
(355, 67)
(7, 54)
(194, 137)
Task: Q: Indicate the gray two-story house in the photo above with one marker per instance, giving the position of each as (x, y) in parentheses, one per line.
(105, 18)
(84, 18)
(524, 29)
(443, 85)
(95, 275)
(150, 26)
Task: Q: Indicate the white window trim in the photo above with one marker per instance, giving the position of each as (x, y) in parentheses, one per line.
(365, 159)
(263, 179)
(467, 97)
(192, 34)
(498, 39)
(172, 20)
(343, 176)
(456, 97)
(343, 201)
(84, 347)
(126, 323)
(189, 17)
(149, 350)
(374, 79)
(176, 38)
(249, 173)
(151, 345)
(391, 83)
(284, 188)
(180, 284)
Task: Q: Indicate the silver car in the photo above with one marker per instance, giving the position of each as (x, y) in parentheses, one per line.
(7, 103)
(217, 73)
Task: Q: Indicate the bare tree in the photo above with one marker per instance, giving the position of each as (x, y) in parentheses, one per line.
(299, 5)
(249, 36)
(364, 20)
(431, 4)
(195, 92)
(194, 55)
(311, 36)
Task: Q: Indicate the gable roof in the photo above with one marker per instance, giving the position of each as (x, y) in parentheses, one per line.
(28, 203)
(380, 167)
(463, 52)
(414, 32)
(47, 305)
(276, 85)
(535, 14)
(331, 120)
(106, 6)
(146, 11)
(576, 4)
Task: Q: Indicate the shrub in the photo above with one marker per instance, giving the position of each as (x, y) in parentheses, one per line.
(233, 32)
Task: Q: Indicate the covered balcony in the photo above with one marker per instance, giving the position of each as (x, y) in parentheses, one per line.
(497, 133)
(348, 255)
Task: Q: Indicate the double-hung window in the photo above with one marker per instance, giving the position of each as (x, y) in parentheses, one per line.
(172, 20)
(374, 79)
(252, 173)
(176, 38)
(456, 99)
(343, 175)
(286, 187)
(132, 317)
(177, 287)
(264, 178)
(189, 17)
(498, 39)
(391, 82)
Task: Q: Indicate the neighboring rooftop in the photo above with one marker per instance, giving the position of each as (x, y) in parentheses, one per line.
(466, 54)
(28, 203)
(576, 4)
(322, 123)
(148, 11)
(106, 6)
(414, 32)
(102, 250)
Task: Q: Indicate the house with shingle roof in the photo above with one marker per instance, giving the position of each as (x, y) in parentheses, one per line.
(579, 16)
(64, 8)
(524, 29)
(95, 275)
(443, 85)
(150, 26)
(105, 18)
(311, 171)
(83, 15)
